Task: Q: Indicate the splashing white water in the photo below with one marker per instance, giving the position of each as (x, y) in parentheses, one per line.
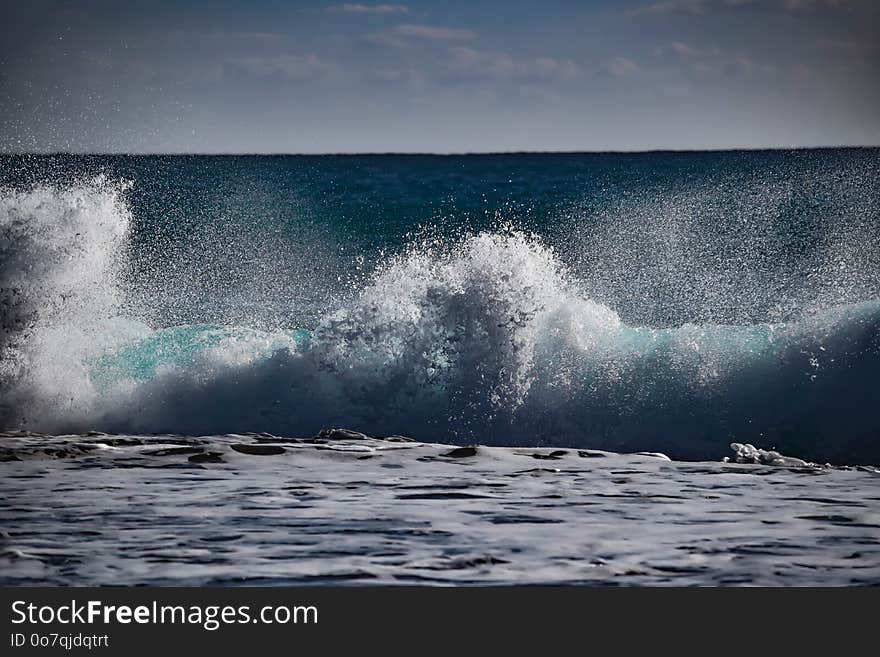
(59, 253)
(476, 309)
(485, 337)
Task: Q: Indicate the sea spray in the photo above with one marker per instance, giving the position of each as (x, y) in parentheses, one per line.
(60, 250)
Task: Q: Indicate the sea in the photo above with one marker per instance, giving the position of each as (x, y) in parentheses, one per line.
(601, 368)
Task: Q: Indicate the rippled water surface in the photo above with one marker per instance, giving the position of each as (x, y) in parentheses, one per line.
(251, 509)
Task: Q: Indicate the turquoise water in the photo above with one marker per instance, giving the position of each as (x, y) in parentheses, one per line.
(175, 347)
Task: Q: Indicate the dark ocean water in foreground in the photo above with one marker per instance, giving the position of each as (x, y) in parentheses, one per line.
(672, 302)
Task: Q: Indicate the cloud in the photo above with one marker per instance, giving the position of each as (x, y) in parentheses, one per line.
(434, 33)
(388, 74)
(503, 66)
(356, 8)
(245, 36)
(402, 35)
(746, 65)
(622, 67)
(293, 67)
(408, 77)
(713, 60)
(847, 45)
(704, 7)
(683, 50)
(807, 5)
(220, 35)
(693, 7)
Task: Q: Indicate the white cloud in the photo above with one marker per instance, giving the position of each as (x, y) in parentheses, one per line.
(503, 66)
(622, 67)
(847, 45)
(748, 66)
(294, 67)
(670, 7)
(434, 33)
(247, 36)
(408, 77)
(219, 35)
(702, 7)
(388, 74)
(806, 5)
(356, 8)
(401, 36)
(713, 60)
(683, 50)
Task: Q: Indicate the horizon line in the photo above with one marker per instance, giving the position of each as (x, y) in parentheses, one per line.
(733, 149)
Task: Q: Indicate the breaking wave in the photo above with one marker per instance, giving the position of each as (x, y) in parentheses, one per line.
(486, 337)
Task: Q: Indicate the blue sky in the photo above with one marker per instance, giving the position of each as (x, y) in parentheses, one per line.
(454, 76)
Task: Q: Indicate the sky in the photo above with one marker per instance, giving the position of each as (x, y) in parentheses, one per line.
(267, 76)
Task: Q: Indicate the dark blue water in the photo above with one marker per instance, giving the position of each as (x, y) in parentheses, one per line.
(668, 301)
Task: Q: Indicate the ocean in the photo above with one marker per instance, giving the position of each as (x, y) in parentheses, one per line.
(675, 302)
(159, 312)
